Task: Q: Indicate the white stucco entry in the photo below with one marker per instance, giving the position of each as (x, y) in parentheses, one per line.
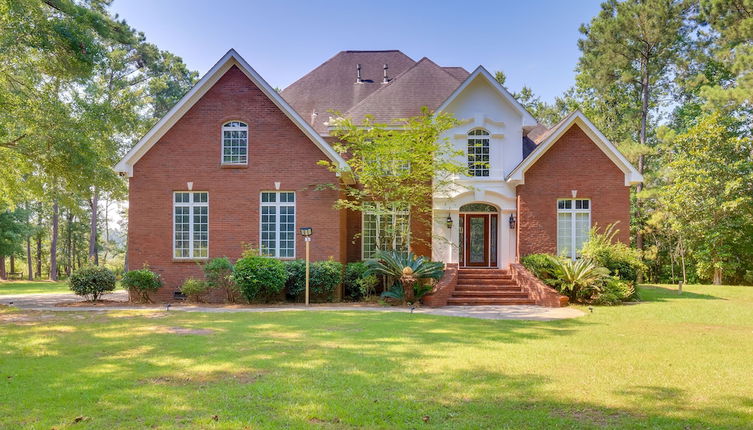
(482, 103)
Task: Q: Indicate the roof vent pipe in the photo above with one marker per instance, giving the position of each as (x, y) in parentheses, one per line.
(358, 74)
(386, 80)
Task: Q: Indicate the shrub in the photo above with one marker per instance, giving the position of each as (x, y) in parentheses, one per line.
(140, 283)
(325, 277)
(542, 266)
(357, 283)
(614, 292)
(621, 260)
(580, 280)
(259, 278)
(194, 289)
(295, 285)
(219, 275)
(405, 268)
(91, 282)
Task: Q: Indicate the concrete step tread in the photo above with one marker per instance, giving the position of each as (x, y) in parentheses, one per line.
(488, 301)
(487, 288)
(516, 294)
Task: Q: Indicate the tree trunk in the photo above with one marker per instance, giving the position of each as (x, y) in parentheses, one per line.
(29, 266)
(93, 254)
(39, 256)
(12, 263)
(69, 244)
(645, 88)
(717, 276)
(54, 243)
(3, 275)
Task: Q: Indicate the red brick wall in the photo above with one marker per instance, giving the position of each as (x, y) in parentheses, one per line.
(190, 152)
(574, 162)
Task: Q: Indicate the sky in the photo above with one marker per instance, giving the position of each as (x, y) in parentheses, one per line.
(533, 41)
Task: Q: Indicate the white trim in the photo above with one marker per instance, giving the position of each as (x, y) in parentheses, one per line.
(231, 58)
(632, 177)
(572, 211)
(191, 204)
(277, 204)
(528, 119)
(222, 141)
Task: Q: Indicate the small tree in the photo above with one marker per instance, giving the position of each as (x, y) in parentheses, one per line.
(140, 283)
(397, 166)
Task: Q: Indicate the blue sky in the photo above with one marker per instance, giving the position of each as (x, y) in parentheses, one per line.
(533, 42)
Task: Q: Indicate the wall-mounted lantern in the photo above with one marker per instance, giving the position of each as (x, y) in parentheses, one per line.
(512, 221)
(449, 222)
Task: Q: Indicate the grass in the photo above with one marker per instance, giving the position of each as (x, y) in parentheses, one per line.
(32, 287)
(674, 362)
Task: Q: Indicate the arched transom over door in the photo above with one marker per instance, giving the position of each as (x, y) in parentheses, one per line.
(478, 235)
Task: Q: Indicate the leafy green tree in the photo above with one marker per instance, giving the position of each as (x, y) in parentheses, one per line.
(731, 21)
(628, 51)
(709, 194)
(390, 165)
(13, 230)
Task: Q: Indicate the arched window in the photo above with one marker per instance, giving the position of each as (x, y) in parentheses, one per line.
(235, 143)
(478, 152)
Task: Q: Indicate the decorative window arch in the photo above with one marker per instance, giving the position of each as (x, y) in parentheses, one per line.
(235, 142)
(478, 152)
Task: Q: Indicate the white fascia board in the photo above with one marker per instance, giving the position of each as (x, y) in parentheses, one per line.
(632, 176)
(231, 58)
(528, 119)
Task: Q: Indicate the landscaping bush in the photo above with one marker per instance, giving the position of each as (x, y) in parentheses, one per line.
(542, 266)
(140, 283)
(357, 283)
(325, 277)
(406, 269)
(580, 279)
(613, 292)
(621, 260)
(194, 289)
(295, 285)
(219, 275)
(91, 282)
(259, 278)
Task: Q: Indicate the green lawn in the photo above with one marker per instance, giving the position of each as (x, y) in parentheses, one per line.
(32, 287)
(675, 362)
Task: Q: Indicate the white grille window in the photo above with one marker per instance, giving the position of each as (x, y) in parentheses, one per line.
(384, 229)
(478, 153)
(235, 143)
(573, 226)
(278, 224)
(190, 224)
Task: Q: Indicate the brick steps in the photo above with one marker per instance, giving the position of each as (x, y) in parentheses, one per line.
(479, 287)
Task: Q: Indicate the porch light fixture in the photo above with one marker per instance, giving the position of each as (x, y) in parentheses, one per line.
(306, 232)
(449, 222)
(512, 221)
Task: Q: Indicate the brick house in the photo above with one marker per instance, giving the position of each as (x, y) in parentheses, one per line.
(235, 162)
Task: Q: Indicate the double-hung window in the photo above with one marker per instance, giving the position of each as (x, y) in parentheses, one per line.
(573, 225)
(235, 143)
(278, 224)
(190, 224)
(478, 152)
(384, 229)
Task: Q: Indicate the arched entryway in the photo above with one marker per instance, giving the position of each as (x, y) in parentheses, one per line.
(478, 241)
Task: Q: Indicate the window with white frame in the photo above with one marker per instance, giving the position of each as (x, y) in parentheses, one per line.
(190, 224)
(384, 229)
(278, 224)
(478, 152)
(235, 143)
(573, 225)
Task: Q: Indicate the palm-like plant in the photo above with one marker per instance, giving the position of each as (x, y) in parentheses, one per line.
(579, 275)
(406, 268)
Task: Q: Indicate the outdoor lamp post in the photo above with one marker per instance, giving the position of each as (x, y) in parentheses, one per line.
(306, 232)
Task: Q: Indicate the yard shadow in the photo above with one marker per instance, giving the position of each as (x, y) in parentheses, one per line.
(656, 293)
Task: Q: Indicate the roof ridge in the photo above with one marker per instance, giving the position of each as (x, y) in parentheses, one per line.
(388, 85)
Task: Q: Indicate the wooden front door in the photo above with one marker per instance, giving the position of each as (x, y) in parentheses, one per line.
(477, 240)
